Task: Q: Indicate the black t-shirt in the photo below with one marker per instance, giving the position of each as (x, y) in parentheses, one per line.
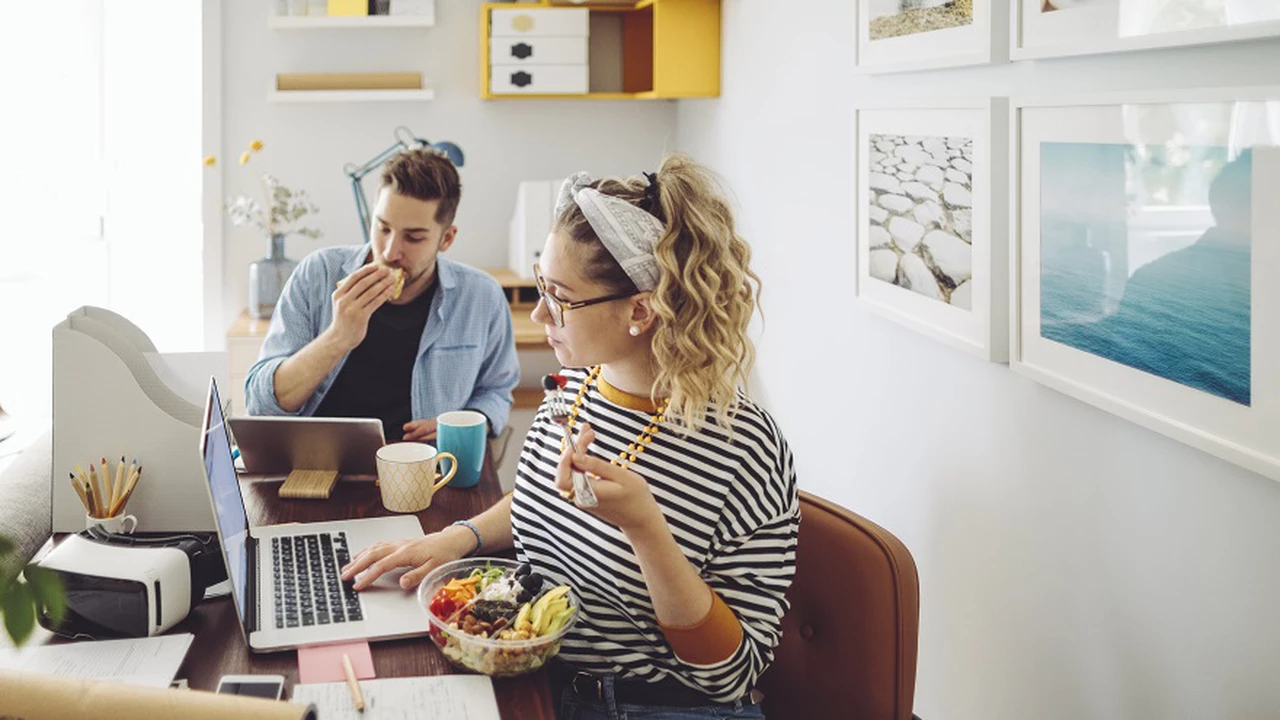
(377, 379)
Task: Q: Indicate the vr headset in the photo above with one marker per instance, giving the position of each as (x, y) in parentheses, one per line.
(125, 586)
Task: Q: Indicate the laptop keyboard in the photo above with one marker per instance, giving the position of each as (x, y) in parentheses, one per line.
(307, 580)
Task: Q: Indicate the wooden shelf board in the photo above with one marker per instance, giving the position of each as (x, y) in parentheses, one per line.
(507, 278)
(331, 22)
(527, 398)
(245, 326)
(587, 96)
(303, 96)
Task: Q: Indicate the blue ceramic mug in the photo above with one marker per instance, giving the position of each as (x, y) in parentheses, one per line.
(464, 433)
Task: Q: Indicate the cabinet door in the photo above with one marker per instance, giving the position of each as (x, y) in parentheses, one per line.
(538, 51)
(538, 79)
(543, 22)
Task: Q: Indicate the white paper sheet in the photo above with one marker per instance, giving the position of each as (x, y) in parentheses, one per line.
(150, 662)
(451, 697)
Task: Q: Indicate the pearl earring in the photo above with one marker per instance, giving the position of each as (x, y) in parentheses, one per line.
(635, 331)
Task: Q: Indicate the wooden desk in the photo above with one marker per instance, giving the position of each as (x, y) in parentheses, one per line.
(219, 646)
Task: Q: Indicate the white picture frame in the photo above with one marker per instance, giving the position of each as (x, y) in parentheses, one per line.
(1199, 360)
(911, 234)
(1090, 27)
(982, 41)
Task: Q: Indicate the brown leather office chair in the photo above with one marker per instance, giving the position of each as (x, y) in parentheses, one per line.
(848, 646)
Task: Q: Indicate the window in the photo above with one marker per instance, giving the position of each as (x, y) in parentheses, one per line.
(101, 196)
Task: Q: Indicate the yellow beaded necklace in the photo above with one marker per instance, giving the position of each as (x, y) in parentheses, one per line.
(633, 451)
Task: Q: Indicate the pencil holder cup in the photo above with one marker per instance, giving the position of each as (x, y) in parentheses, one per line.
(116, 525)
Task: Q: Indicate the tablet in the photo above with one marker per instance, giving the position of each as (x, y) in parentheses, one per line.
(278, 445)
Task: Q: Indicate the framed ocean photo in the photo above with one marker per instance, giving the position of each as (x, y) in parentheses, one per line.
(904, 35)
(1053, 28)
(931, 226)
(1145, 230)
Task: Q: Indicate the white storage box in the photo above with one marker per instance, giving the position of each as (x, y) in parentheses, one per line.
(538, 51)
(531, 223)
(539, 79)
(544, 22)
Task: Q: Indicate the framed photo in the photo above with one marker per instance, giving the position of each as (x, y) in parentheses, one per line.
(1144, 257)
(901, 35)
(930, 220)
(1052, 28)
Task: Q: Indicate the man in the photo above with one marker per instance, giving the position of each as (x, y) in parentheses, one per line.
(340, 346)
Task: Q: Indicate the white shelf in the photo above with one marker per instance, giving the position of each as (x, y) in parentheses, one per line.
(318, 22)
(304, 96)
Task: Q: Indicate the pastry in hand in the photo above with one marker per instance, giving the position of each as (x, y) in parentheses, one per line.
(397, 273)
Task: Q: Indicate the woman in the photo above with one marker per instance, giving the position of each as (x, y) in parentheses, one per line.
(682, 560)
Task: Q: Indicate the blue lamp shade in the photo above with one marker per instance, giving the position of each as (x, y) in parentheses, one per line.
(405, 139)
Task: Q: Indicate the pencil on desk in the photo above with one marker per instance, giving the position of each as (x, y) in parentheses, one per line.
(357, 697)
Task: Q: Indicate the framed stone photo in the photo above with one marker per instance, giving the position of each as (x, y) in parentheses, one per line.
(901, 35)
(1052, 28)
(1145, 228)
(930, 220)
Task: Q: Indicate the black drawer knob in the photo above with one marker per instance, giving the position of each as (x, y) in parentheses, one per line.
(523, 51)
(521, 79)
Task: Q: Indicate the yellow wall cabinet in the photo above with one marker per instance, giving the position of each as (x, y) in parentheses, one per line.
(650, 49)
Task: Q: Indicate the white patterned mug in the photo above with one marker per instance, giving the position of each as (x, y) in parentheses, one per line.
(407, 475)
(116, 525)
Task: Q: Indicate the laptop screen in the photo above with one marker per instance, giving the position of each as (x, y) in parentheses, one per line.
(224, 488)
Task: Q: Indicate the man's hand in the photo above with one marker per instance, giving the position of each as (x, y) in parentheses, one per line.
(420, 430)
(357, 296)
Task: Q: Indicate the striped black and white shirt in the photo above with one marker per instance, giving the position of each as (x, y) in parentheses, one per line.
(731, 504)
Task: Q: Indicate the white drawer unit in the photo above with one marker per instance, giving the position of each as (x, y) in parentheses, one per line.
(538, 50)
(538, 79)
(539, 22)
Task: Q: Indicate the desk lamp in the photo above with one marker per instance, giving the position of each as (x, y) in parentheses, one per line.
(405, 140)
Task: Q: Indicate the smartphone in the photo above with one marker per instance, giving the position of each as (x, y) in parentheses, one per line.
(270, 687)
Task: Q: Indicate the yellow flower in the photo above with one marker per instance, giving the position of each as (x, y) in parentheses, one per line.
(210, 161)
(256, 145)
(244, 158)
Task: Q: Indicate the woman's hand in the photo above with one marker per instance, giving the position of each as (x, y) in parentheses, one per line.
(624, 496)
(423, 554)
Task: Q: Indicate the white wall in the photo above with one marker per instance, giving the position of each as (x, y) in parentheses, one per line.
(1072, 564)
(505, 141)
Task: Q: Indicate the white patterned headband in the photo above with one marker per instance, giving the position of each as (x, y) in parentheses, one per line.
(628, 232)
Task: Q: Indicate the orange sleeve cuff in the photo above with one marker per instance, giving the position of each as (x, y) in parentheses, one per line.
(713, 639)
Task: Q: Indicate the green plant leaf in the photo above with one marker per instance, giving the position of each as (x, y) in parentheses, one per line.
(19, 614)
(46, 590)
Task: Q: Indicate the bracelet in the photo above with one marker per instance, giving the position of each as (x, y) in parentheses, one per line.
(475, 530)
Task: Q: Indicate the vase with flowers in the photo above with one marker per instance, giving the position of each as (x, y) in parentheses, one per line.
(277, 218)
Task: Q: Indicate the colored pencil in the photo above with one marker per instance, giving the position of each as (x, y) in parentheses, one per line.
(97, 492)
(84, 498)
(119, 486)
(129, 487)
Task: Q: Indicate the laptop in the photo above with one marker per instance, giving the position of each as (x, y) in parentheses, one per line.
(279, 445)
(285, 579)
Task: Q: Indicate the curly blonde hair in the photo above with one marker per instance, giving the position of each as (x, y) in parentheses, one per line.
(706, 291)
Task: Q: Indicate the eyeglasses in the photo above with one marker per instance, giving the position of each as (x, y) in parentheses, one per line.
(557, 307)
